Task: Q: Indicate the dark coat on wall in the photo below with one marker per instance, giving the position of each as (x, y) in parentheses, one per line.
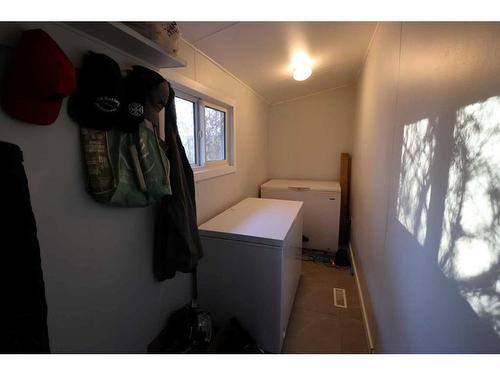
(23, 312)
(177, 244)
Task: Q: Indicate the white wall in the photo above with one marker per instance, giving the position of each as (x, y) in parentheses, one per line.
(425, 219)
(307, 135)
(97, 260)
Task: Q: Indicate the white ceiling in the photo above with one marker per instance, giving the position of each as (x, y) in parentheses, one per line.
(259, 53)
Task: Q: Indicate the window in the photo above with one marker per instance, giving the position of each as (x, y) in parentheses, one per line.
(205, 127)
(186, 120)
(215, 131)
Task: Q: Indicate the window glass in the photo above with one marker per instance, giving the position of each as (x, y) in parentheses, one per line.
(215, 132)
(186, 124)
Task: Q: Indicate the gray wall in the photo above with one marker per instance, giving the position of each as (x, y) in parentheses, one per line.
(97, 260)
(426, 179)
(308, 134)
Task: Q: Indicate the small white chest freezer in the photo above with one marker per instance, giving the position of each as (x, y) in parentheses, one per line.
(321, 208)
(251, 266)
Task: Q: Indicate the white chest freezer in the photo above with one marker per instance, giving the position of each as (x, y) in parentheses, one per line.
(251, 266)
(321, 208)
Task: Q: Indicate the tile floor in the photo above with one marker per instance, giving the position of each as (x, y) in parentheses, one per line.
(316, 325)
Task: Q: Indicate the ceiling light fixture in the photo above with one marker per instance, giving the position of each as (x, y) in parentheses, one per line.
(301, 67)
(302, 72)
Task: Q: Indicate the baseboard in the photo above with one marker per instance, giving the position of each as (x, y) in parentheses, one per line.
(363, 308)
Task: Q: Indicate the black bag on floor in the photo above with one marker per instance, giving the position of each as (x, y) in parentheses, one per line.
(188, 330)
(184, 332)
(341, 258)
(234, 339)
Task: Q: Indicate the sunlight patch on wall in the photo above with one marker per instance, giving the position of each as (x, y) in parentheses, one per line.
(469, 250)
(414, 192)
(485, 304)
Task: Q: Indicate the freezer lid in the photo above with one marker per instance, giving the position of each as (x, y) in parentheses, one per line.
(302, 184)
(255, 220)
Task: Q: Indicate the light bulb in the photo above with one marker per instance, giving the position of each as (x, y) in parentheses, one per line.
(302, 72)
(301, 66)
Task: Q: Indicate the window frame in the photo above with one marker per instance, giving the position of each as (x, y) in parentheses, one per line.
(188, 89)
(194, 100)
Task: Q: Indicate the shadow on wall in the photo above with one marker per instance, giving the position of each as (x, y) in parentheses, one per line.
(417, 153)
(468, 251)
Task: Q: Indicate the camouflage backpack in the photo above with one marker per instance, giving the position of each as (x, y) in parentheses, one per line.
(126, 169)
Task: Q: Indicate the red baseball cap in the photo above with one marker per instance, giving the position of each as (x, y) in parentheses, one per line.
(37, 79)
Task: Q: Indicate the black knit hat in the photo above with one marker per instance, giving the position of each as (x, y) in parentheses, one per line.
(132, 111)
(141, 84)
(99, 96)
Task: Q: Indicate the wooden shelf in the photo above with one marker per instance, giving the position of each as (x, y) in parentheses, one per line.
(119, 35)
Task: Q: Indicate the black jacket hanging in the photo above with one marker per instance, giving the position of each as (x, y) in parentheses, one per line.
(23, 312)
(177, 244)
